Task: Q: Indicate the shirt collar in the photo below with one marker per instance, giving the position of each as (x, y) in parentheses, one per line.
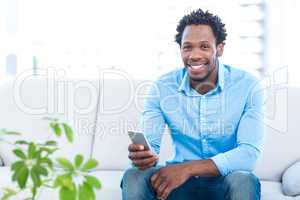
(185, 83)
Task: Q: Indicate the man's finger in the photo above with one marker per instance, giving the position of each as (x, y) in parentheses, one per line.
(143, 162)
(140, 154)
(147, 166)
(166, 192)
(135, 147)
(158, 181)
(161, 189)
(154, 177)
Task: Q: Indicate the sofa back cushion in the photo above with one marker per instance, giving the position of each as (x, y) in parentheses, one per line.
(119, 111)
(282, 132)
(120, 106)
(26, 101)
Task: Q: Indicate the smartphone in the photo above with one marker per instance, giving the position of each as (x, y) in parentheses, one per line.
(139, 138)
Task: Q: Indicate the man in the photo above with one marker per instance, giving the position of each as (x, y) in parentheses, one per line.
(213, 112)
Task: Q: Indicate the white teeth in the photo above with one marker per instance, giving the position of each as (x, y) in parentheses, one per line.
(197, 66)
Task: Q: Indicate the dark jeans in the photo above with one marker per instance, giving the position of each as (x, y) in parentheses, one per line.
(239, 185)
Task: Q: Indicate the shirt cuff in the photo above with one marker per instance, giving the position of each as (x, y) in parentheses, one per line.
(222, 163)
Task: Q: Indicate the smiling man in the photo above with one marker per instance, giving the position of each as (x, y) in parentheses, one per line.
(213, 112)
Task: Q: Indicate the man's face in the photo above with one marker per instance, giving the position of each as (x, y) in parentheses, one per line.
(199, 51)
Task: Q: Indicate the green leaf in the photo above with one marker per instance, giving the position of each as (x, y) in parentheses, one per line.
(78, 160)
(50, 119)
(15, 174)
(17, 165)
(55, 127)
(22, 176)
(86, 192)
(33, 191)
(67, 194)
(46, 161)
(51, 143)
(31, 150)
(48, 150)
(90, 164)
(41, 170)
(58, 182)
(64, 181)
(8, 192)
(35, 177)
(68, 132)
(5, 132)
(21, 142)
(20, 153)
(65, 163)
(13, 133)
(93, 181)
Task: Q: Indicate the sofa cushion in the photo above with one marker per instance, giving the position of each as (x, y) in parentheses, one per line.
(291, 180)
(271, 190)
(110, 181)
(110, 190)
(25, 102)
(281, 132)
(120, 107)
(118, 112)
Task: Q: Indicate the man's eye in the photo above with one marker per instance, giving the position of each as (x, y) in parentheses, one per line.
(186, 48)
(204, 46)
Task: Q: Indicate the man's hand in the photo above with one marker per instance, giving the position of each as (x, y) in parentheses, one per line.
(168, 178)
(141, 158)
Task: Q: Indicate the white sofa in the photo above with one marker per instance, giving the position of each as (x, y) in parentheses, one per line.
(101, 112)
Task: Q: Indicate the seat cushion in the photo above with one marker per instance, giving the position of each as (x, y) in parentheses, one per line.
(110, 190)
(110, 180)
(291, 180)
(271, 190)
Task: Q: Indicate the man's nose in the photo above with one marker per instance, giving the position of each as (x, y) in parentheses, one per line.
(196, 55)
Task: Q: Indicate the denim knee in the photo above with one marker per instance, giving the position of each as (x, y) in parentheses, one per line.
(242, 185)
(136, 183)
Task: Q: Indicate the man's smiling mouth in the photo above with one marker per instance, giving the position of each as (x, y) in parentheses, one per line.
(197, 66)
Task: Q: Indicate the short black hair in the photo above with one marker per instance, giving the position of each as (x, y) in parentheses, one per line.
(199, 17)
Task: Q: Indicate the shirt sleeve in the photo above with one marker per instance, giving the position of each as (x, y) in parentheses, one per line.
(152, 120)
(249, 137)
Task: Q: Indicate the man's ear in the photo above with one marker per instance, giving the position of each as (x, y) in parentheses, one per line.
(220, 49)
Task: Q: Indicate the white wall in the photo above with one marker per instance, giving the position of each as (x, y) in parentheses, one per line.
(283, 40)
(135, 36)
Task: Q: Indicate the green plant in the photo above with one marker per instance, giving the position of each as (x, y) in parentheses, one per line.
(36, 168)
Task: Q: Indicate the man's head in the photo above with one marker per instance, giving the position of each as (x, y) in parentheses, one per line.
(201, 37)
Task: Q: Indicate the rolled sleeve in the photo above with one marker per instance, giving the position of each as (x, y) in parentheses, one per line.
(242, 158)
(222, 163)
(249, 137)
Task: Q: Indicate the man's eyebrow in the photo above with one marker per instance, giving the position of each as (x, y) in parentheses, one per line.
(188, 42)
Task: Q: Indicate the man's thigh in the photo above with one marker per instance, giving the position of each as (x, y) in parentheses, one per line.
(237, 185)
(200, 188)
(135, 176)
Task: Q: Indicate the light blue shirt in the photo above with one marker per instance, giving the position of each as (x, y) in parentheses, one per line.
(224, 125)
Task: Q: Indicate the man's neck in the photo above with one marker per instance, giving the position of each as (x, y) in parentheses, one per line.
(207, 85)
